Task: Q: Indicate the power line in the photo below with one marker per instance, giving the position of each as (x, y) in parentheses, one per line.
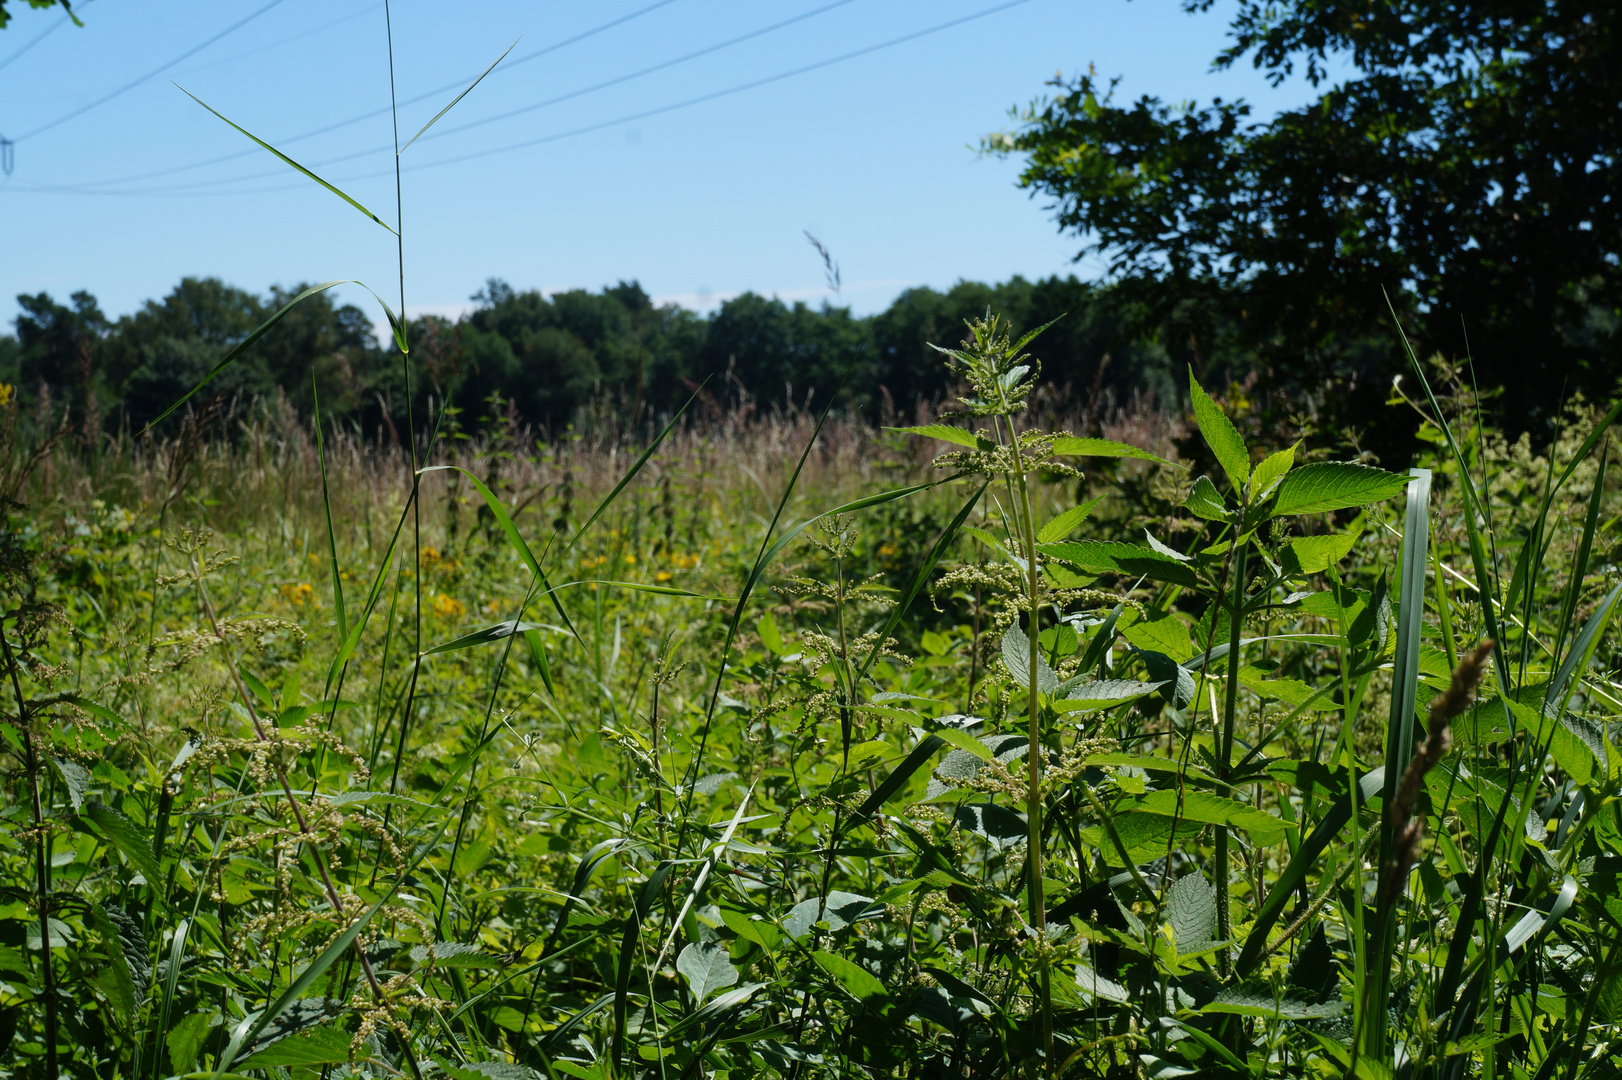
(337, 125)
(41, 37)
(586, 129)
(151, 74)
(352, 155)
(301, 35)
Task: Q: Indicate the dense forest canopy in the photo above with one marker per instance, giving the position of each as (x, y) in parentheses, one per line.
(544, 358)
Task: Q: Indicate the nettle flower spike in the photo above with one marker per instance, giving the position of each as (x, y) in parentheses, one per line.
(999, 373)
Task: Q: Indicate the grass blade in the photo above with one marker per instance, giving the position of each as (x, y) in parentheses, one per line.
(342, 195)
(456, 99)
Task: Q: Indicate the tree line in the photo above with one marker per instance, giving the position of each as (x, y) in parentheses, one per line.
(549, 360)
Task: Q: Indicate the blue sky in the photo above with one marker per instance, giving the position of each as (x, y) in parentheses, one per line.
(874, 154)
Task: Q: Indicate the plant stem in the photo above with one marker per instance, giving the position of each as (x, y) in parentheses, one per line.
(1236, 600)
(42, 861)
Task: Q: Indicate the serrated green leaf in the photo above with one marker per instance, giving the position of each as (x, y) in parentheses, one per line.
(1210, 809)
(947, 433)
(123, 834)
(1064, 524)
(76, 778)
(1016, 653)
(1191, 909)
(1335, 485)
(185, 1039)
(1205, 501)
(707, 967)
(1270, 472)
(1109, 556)
(1070, 446)
(1315, 554)
(1220, 435)
(1161, 631)
(1240, 1003)
(323, 1045)
(1101, 694)
(856, 980)
(769, 635)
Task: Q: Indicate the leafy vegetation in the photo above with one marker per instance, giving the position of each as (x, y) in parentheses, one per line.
(636, 764)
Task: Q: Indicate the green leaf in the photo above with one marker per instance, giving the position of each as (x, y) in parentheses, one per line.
(1335, 485)
(1270, 472)
(1192, 911)
(1064, 524)
(454, 954)
(1108, 556)
(769, 636)
(290, 161)
(76, 778)
(185, 1039)
(1220, 435)
(1210, 809)
(1016, 653)
(323, 1045)
(706, 967)
(1315, 554)
(456, 99)
(1239, 1003)
(1205, 501)
(123, 834)
(485, 635)
(947, 433)
(1070, 446)
(1160, 631)
(856, 980)
(1101, 694)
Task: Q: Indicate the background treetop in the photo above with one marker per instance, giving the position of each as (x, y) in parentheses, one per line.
(1462, 172)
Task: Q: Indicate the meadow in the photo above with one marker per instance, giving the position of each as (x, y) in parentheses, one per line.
(705, 749)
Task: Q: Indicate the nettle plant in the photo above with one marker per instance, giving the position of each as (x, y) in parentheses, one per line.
(1187, 794)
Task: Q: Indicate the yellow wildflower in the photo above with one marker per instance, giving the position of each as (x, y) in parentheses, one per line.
(448, 607)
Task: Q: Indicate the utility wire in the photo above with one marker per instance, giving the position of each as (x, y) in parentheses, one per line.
(369, 151)
(151, 74)
(337, 125)
(47, 32)
(256, 50)
(586, 129)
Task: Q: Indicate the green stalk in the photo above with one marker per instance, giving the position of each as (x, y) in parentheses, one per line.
(1230, 704)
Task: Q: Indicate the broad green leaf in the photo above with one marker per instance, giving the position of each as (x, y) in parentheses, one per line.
(1220, 435)
(185, 1039)
(1205, 501)
(1290, 691)
(1270, 472)
(1192, 911)
(769, 635)
(1240, 1003)
(323, 1045)
(965, 742)
(1160, 631)
(454, 954)
(1070, 446)
(1016, 653)
(123, 834)
(1064, 524)
(1108, 556)
(76, 778)
(857, 980)
(1102, 694)
(1315, 554)
(706, 967)
(346, 198)
(1210, 809)
(1335, 485)
(947, 433)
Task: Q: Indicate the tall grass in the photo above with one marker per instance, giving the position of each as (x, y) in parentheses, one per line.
(791, 748)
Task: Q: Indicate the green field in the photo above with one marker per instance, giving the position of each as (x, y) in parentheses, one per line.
(748, 791)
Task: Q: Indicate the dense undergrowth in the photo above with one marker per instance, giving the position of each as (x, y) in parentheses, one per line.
(566, 760)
